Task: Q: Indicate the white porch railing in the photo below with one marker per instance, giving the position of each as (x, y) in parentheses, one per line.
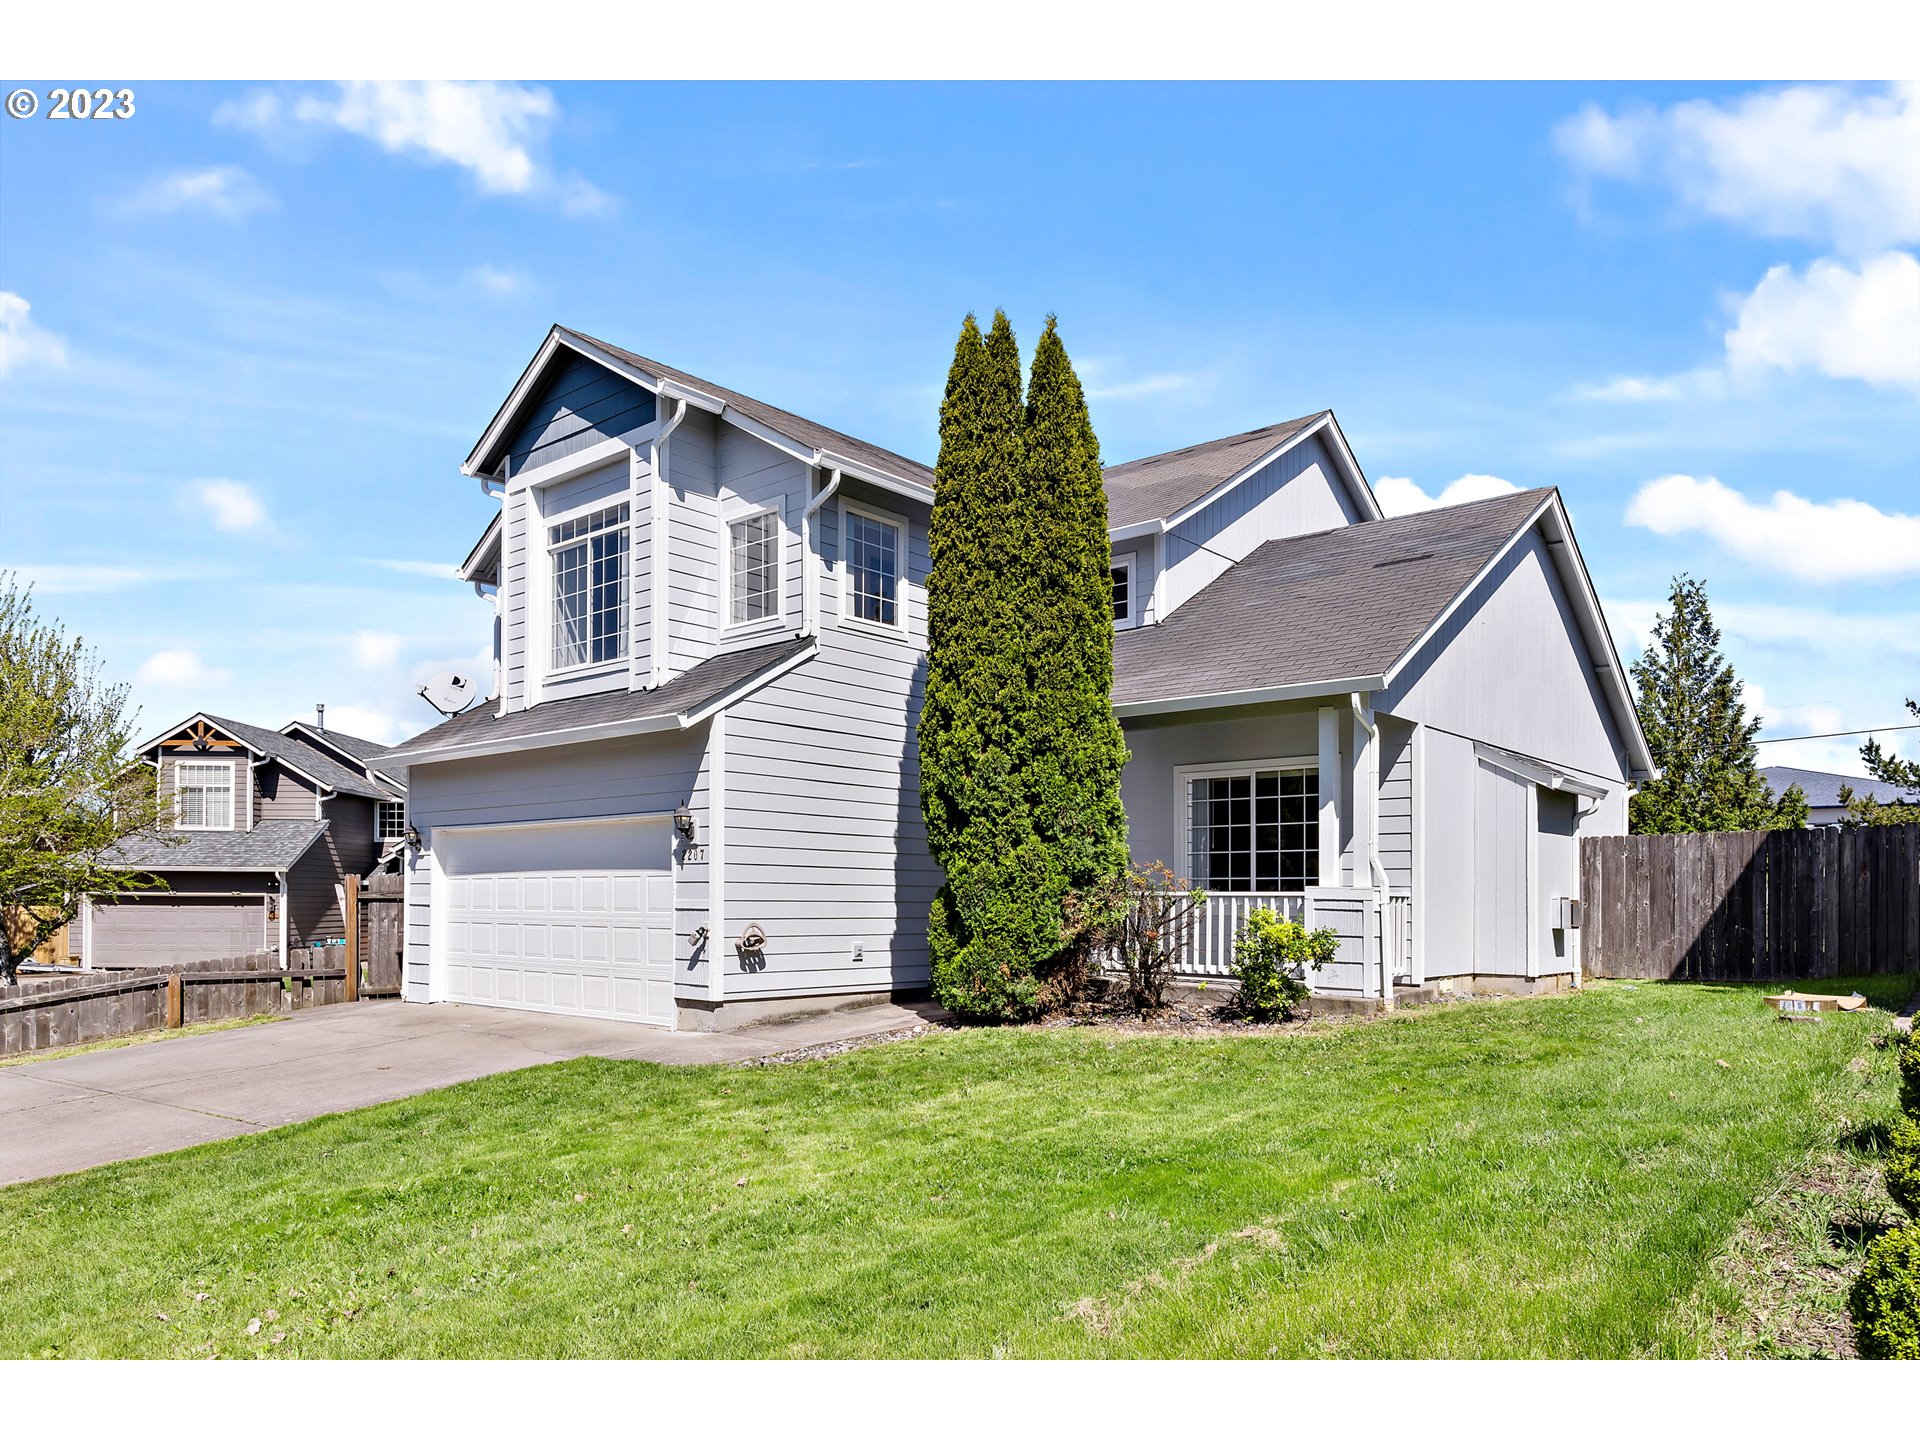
(1220, 919)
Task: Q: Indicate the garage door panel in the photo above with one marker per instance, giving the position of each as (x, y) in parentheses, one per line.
(590, 940)
(157, 930)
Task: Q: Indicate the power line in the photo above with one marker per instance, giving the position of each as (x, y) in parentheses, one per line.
(1835, 734)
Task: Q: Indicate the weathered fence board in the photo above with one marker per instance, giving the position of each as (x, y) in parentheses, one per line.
(382, 933)
(1756, 905)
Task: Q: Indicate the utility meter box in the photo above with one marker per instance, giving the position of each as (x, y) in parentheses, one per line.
(1568, 913)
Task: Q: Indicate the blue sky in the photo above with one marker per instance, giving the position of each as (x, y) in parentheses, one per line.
(250, 332)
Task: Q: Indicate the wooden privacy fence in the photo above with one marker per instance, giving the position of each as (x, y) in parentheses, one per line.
(1753, 905)
(45, 1012)
(376, 915)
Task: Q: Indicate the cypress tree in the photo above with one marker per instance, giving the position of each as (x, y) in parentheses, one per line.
(1073, 748)
(1699, 731)
(980, 928)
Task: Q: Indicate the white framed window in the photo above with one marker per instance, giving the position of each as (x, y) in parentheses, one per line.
(1122, 576)
(588, 556)
(753, 568)
(203, 794)
(389, 821)
(1252, 827)
(873, 562)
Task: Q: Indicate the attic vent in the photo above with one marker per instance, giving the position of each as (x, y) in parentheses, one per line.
(1403, 560)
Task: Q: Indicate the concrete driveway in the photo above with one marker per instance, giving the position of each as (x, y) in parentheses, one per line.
(85, 1110)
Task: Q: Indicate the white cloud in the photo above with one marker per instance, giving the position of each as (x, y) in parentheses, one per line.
(223, 190)
(1400, 496)
(81, 579)
(1850, 324)
(432, 569)
(1829, 163)
(1821, 541)
(177, 670)
(23, 343)
(1635, 389)
(1098, 378)
(495, 131)
(233, 505)
(495, 281)
(376, 649)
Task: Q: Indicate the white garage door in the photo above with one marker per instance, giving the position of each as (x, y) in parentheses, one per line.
(574, 918)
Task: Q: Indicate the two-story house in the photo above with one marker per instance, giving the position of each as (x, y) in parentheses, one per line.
(264, 827)
(692, 798)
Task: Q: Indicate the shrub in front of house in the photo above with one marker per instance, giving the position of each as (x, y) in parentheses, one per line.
(1271, 955)
(1903, 1165)
(1885, 1300)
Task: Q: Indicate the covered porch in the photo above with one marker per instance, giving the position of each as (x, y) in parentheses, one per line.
(1306, 807)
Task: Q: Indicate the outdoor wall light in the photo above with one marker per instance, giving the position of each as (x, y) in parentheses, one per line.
(683, 822)
(413, 837)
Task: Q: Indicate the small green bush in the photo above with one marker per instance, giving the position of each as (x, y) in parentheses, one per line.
(1885, 1300)
(1267, 953)
(1910, 1074)
(1903, 1166)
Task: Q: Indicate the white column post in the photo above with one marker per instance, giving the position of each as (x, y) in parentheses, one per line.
(1329, 795)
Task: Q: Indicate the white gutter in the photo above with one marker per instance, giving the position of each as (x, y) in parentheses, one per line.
(809, 581)
(1223, 699)
(1363, 717)
(657, 637)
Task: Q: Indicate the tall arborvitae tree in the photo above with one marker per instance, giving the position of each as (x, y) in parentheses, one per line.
(981, 930)
(1699, 731)
(1073, 744)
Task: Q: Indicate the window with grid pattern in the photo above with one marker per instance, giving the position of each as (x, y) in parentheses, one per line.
(390, 820)
(873, 569)
(753, 567)
(203, 794)
(1254, 831)
(1122, 576)
(589, 587)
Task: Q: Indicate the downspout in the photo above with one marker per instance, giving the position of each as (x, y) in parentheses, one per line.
(1377, 871)
(657, 541)
(809, 582)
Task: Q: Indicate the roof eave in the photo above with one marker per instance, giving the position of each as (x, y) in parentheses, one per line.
(1265, 695)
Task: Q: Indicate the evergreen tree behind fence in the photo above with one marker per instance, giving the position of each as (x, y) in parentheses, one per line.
(1753, 904)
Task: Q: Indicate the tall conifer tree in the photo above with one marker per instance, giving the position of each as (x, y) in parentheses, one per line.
(1073, 748)
(972, 747)
(1699, 731)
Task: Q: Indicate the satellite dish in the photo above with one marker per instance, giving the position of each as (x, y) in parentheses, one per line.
(449, 694)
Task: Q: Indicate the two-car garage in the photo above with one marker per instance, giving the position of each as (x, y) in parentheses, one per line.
(573, 917)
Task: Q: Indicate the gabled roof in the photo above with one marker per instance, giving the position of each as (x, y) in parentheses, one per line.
(366, 752)
(807, 435)
(270, 845)
(1164, 487)
(1345, 610)
(484, 558)
(685, 700)
(296, 754)
(1822, 787)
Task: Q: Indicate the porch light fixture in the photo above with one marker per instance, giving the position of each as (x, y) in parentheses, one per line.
(683, 822)
(412, 837)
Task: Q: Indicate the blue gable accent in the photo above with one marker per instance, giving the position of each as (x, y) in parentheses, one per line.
(580, 404)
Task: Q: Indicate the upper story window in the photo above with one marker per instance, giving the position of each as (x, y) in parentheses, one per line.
(203, 794)
(873, 566)
(753, 568)
(589, 555)
(1253, 828)
(1122, 576)
(389, 821)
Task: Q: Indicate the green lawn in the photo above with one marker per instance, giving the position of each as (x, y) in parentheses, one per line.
(1524, 1177)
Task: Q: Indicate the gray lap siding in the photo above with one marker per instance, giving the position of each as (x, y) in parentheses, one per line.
(314, 884)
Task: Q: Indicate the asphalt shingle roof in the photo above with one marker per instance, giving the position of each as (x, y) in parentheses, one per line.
(682, 695)
(794, 427)
(1822, 787)
(1156, 486)
(1333, 605)
(270, 845)
(307, 759)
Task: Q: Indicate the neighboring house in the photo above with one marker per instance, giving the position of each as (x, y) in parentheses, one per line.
(1822, 789)
(693, 798)
(266, 826)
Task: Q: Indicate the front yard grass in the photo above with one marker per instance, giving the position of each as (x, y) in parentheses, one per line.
(1521, 1177)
